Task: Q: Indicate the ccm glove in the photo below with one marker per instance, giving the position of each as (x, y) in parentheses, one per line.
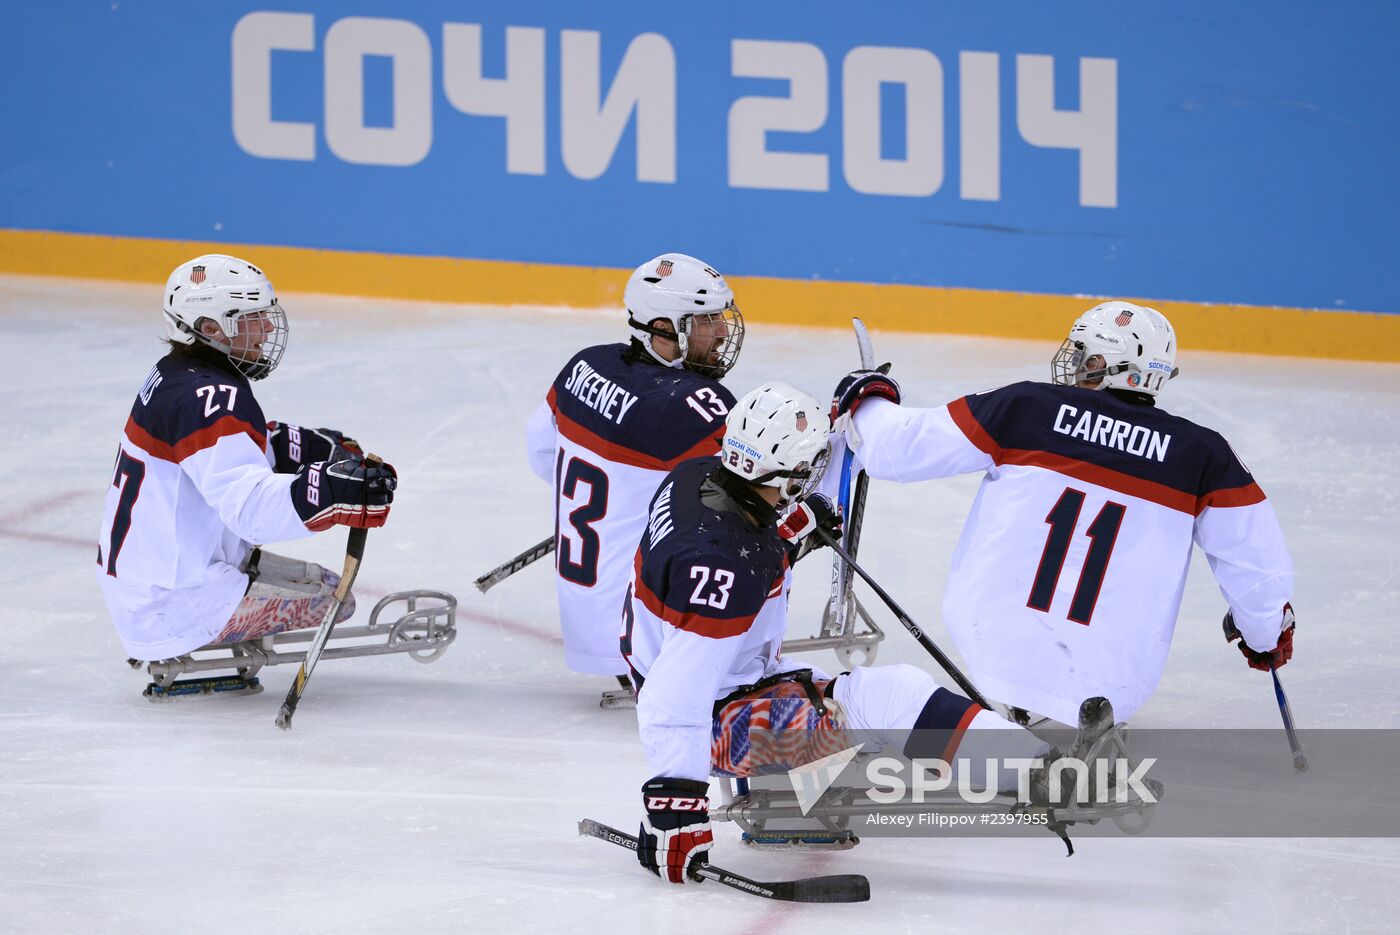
(1270, 658)
(675, 836)
(348, 492)
(860, 385)
(294, 447)
(813, 513)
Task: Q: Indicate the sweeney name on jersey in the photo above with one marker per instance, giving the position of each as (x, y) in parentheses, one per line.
(599, 393)
(637, 414)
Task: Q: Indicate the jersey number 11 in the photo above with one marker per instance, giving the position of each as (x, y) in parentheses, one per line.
(1103, 531)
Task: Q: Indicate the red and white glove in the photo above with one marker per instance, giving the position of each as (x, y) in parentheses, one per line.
(813, 513)
(1269, 658)
(858, 386)
(675, 836)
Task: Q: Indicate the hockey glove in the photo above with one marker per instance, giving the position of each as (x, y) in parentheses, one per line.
(675, 836)
(860, 385)
(294, 447)
(348, 492)
(1270, 658)
(813, 513)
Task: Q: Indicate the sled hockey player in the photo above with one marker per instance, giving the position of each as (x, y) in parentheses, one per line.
(202, 478)
(615, 420)
(1068, 576)
(704, 620)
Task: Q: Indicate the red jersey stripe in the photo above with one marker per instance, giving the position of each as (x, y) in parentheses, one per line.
(954, 741)
(623, 454)
(1248, 495)
(965, 420)
(1092, 473)
(1104, 477)
(717, 628)
(206, 437)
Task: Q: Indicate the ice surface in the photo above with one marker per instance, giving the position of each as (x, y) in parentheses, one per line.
(443, 798)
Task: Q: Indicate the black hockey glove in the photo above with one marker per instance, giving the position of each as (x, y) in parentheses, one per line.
(1270, 658)
(349, 492)
(797, 527)
(675, 835)
(294, 447)
(860, 385)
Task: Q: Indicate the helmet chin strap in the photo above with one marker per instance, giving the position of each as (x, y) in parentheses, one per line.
(660, 333)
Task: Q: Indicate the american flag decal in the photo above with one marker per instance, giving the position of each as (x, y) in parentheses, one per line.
(802, 421)
(197, 275)
(1123, 318)
(663, 268)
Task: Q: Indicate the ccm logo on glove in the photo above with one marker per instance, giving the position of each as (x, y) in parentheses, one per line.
(675, 804)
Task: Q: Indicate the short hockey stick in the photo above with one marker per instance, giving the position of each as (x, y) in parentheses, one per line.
(503, 571)
(841, 888)
(354, 552)
(1300, 762)
(929, 645)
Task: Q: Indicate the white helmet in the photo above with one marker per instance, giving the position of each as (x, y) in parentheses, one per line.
(1137, 344)
(236, 296)
(695, 299)
(778, 436)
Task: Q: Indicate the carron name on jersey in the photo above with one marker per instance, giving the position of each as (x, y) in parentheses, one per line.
(1105, 430)
(598, 392)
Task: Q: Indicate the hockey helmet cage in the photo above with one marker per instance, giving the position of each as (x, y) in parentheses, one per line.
(705, 323)
(1137, 344)
(237, 297)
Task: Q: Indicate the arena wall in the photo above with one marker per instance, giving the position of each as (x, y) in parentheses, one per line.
(983, 168)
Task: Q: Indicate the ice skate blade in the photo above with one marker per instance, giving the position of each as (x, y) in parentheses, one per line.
(617, 698)
(802, 840)
(194, 688)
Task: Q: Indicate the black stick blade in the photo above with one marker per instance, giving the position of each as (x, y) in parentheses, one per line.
(840, 888)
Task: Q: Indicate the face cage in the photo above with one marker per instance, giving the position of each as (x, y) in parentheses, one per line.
(274, 343)
(726, 354)
(802, 481)
(1067, 366)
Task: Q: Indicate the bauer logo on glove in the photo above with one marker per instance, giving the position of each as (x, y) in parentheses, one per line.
(350, 492)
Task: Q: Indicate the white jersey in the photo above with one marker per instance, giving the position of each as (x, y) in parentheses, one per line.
(191, 491)
(1068, 576)
(607, 433)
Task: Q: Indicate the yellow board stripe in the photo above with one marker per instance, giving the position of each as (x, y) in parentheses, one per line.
(1238, 328)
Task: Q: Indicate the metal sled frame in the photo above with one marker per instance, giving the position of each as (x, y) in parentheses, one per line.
(424, 630)
(853, 646)
(771, 810)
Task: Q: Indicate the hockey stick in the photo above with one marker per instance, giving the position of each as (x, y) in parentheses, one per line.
(838, 608)
(354, 552)
(1300, 762)
(503, 571)
(929, 645)
(841, 888)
